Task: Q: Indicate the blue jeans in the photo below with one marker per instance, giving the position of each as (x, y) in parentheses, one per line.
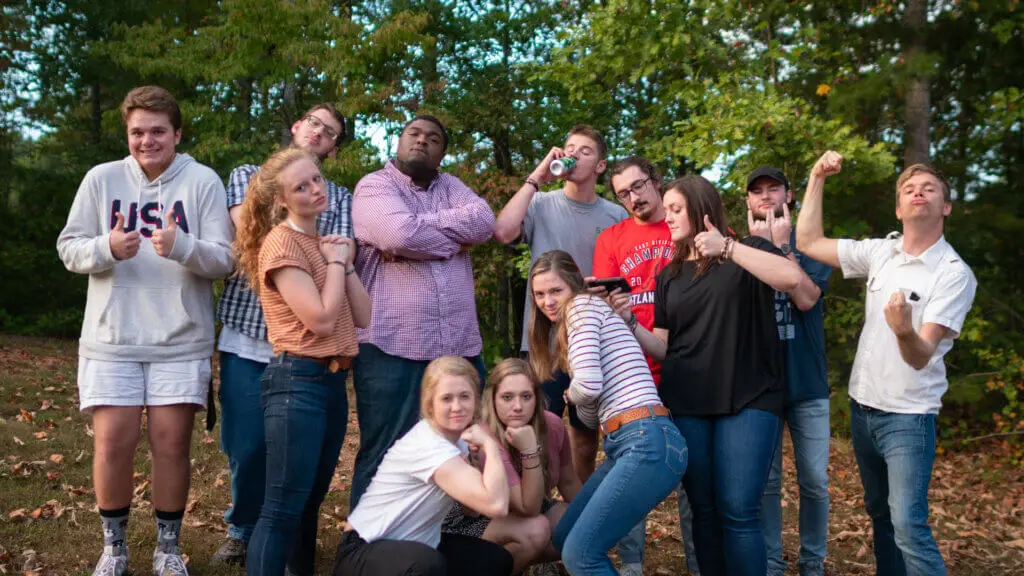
(644, 461)
(686, 530)
(895, 454)
(809, 429)
(730, 457)
(387, 406)
(305, 413)
(241, 439)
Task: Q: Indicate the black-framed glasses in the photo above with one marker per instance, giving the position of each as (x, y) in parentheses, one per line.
(317, 124)
(636, 187)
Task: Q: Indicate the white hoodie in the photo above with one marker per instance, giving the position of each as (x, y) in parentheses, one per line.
(149, 308)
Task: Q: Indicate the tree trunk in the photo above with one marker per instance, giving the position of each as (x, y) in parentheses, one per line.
(918, 104)
(97, 114)
(287, 110)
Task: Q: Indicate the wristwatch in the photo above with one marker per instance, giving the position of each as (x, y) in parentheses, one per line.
(786, 249)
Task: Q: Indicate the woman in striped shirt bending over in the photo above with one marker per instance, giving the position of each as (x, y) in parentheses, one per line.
(313, 301)
(612, 388)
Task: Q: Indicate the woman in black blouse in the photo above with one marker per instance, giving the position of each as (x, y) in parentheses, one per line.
(722, 370)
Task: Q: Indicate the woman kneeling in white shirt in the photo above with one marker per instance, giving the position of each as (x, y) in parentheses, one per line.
(396, 527)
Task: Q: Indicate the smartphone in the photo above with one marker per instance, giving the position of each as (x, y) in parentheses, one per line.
(610, 284)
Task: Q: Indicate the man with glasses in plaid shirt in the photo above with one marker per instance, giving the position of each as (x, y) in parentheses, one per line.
(244, 350)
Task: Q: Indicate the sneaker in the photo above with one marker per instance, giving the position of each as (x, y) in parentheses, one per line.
(111, 564)
(632, 570)
(232, 551)
(169, 563)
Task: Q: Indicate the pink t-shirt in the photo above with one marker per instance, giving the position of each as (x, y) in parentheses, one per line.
(557, 447)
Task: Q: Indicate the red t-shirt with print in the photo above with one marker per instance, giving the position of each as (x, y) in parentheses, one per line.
(637, 252)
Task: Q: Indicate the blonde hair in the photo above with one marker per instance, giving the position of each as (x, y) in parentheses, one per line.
(543, 359)
(448, 366)
(504, 369)
(260, 212)
(916, 169)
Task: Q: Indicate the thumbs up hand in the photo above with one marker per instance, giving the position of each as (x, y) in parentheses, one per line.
(123, 245)
(709, 243)
(163, 238)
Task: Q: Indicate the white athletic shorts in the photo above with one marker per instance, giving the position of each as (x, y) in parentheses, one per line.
(110, 383)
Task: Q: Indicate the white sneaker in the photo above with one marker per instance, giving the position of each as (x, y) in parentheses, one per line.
(111, 564)
(169, 563)
(632, 570)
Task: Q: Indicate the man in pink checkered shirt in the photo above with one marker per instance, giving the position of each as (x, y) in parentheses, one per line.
(414, 226)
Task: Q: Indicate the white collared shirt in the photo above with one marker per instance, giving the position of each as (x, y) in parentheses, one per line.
(939, 287)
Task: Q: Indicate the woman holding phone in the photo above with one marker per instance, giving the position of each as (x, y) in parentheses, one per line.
(612, 388)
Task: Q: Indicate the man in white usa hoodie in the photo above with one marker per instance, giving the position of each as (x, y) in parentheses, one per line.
(152, 232)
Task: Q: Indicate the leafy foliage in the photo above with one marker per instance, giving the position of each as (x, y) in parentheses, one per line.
(708, 86)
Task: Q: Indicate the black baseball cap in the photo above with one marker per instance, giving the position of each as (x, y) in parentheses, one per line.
(769, 172)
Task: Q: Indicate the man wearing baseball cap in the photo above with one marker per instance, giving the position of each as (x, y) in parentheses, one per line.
(798, 314)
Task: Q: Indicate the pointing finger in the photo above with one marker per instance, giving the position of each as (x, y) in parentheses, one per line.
(750, 219)
(785, 211)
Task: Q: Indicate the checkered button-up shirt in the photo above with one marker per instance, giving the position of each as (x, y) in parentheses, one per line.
(412, 262)
(238, 307)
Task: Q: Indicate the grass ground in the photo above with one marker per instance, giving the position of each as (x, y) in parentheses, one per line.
(49, 523)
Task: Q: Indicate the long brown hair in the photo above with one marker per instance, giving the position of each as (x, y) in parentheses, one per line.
(701, 199)
(542, 357)
(260, 212)
(504, 369)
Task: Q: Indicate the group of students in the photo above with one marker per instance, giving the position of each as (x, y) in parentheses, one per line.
(689, 366)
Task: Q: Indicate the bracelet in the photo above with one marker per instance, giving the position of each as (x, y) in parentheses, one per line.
(533, 183)
(526, 455)
(633, 322)
(725, 249)
(329, 262)
(535, 466)
(350, 271)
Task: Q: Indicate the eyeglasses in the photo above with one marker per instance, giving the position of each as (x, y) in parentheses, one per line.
(636, 187)
(316, 124)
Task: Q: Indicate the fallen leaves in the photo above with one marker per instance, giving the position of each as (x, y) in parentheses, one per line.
(52, 509)
(57, 458)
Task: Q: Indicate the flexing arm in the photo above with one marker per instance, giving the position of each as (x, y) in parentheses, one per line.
(486, 492)
(509, 225)
(810, 233)
(916, 347)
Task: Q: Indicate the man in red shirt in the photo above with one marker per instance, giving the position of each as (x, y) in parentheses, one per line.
(637, 249)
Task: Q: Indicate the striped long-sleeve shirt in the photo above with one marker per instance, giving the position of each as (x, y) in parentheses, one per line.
(609, 372)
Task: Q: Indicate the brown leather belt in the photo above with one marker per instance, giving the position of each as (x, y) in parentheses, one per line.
(623, 418)
(333, 363)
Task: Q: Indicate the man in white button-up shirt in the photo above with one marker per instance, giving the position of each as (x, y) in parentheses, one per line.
(918, 292)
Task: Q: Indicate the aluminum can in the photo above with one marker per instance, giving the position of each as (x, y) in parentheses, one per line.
(562, 166)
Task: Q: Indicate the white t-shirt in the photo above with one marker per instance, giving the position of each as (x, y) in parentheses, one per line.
(244, 346)
(938, 286)
(403, 502)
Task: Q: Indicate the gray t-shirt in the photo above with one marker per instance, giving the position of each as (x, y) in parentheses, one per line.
(556, 222)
